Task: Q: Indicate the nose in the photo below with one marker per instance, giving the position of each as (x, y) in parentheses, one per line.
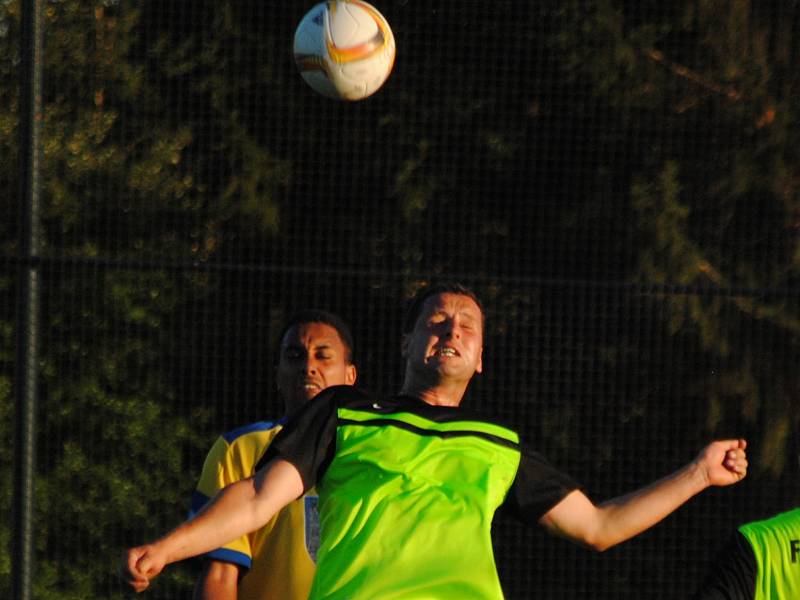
(450, 329)
(310, 367)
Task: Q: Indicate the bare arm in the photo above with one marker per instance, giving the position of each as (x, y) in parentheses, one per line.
(602, 526)
(218, 581)
(238, 509)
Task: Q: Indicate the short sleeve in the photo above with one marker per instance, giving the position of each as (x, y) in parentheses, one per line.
(213, 476)
(733, 574)
(219, 470)
(308, 440)
(538, 487)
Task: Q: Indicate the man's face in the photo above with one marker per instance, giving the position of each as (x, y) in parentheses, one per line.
(313, 357)
(447, 340)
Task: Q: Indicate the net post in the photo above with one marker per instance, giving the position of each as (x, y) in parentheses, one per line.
(30, 121)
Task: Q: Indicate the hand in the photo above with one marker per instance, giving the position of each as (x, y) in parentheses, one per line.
(724, 462)
(140, 565)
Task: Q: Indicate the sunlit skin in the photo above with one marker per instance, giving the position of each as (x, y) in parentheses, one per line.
(313, 357)
(444, 350)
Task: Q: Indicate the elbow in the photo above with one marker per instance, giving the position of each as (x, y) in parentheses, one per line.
(596, 546)
(599, 546)
(598, 542)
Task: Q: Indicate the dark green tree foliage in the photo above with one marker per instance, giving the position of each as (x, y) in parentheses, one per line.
(719, 212)
(618, 180)
(112, 447)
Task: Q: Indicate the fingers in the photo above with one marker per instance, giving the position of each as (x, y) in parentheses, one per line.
(147, 567)
(725, 462)
(736, 461)
(139, 585)
(737, 444)
(735, 458)
(134, 569)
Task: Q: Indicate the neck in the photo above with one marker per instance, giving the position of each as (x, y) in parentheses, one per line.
(439, 395)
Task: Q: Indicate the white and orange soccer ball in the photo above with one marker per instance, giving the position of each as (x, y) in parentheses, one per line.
(344, 49)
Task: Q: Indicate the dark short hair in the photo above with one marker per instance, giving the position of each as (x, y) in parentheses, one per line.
(316, 315)
(417, 302)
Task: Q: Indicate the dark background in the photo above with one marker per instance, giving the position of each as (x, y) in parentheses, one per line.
(617, 180)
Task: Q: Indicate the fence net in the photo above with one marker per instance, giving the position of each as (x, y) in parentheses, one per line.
(617, 181)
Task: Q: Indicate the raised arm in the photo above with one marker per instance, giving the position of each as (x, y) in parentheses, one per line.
(238, 509)
(602, 526)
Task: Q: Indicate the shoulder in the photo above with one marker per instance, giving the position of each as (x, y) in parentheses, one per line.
(233, 456)
(733, 572)
(789, 520)
(342, 395)
(243, 444)
(252, 430)
(329, 402)
(321, 412)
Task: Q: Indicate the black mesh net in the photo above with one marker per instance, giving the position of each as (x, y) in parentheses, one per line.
(617, 181)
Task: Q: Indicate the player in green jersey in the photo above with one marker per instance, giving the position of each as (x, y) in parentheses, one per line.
(760, 561)
(400, 479)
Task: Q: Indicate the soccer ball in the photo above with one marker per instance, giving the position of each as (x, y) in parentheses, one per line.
(344, 49)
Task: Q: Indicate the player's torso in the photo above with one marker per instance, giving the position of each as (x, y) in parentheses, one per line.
(776, 545)
(282, 552)
(407, 505)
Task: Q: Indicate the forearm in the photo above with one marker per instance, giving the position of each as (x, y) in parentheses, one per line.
(723, 462)
(626, 516)
(227, 516)
(576, 518)
(599, 527)
(238, 509)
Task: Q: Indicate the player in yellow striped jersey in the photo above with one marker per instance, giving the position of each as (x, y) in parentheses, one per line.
(276, 561)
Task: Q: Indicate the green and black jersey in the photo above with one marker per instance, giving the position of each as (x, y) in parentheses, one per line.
(407, 493)
(760, 562)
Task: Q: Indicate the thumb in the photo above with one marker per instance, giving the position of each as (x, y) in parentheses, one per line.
(732, 444)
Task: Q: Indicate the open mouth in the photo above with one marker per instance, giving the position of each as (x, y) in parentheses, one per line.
(446, 351)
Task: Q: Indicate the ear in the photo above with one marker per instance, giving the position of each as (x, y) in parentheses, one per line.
(350, 375)
(404, 345)
(479, 367)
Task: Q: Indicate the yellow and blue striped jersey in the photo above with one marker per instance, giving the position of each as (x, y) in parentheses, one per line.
(278, 559)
